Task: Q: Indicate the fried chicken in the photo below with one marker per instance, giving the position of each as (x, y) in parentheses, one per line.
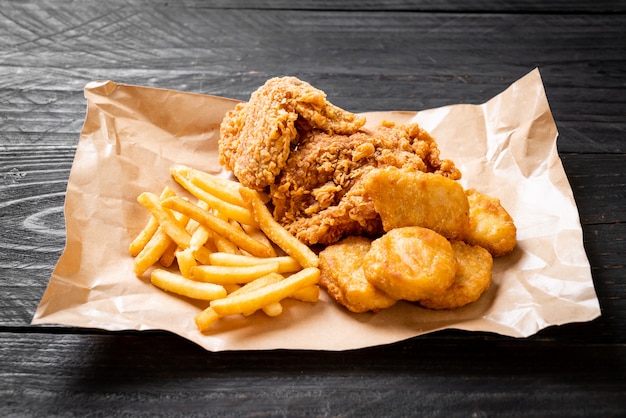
(341, 274)
(491, 226)
(256, 136)
(310, 156)
(472, 279)
(319, 196)
(411, 263)
(404, 197)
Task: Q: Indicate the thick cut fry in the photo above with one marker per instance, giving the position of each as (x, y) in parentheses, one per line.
(186, 262)
(148, 231)
(225, 189)
(273, 309)
(286, 264)
(232, 275)
(239, 213)
(168, 257)
(223, 245)
(142, 239)
(258, 283)
(257, 299)
(256, 233)
(166, 219)
(217, 225)
(307, 294)
(275, 232)
(205, 319)
(152, 252)
(178, 284)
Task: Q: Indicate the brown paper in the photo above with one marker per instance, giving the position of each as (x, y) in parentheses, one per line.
(132, 135)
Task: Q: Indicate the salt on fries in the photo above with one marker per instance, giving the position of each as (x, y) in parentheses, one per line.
(226, 246)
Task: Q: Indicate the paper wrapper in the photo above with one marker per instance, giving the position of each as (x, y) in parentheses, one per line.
(132, 135)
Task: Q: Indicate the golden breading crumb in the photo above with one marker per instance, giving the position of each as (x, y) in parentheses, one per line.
(411, 263)
(256, 137)
(404, 197)
(491, 226)
(472, 279)
(341, 273)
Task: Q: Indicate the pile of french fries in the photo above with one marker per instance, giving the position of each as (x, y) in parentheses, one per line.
(227, 248)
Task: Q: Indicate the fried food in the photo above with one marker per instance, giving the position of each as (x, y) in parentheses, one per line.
(491, 226)
(319, 196)
(257, 136)
(190, 233)
(341, 274)
(405, 197)
(472, 279)
(411, 263)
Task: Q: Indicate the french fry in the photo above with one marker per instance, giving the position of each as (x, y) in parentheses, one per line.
(286, 264)
(307, 294)
(258, 283)
(231, 211)
(169, 255)
(273, 309)
(206, 318)
(224, 189)
(166, 218)
(142, 239)
(256, 233)
(266, 295)
(186, 262)
(232, 275)
(225, 246)
(217, 225)
(152, 252)
(275, 232)
(178, 284)
(148, 231)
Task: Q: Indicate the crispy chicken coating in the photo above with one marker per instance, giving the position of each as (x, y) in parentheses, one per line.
(472, 279)
(256, 137)
(404, 197)
(491, 226)
(341, 274)
(411, 263)
(319, 195)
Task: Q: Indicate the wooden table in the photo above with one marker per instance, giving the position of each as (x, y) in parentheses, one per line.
(368, 56)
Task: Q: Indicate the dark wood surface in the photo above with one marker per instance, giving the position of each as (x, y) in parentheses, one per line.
(366, 55)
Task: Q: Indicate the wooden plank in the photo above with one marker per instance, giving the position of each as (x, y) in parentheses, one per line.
(162, 375)
(484, 6)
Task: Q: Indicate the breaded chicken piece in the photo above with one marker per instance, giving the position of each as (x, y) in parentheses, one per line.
(472, 279)
(491, 226)
(341, 274)
(256, 137)
(406, 197)
(411, 263)
(319, 196)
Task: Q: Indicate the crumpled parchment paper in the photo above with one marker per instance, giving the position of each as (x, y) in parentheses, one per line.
(505, 147)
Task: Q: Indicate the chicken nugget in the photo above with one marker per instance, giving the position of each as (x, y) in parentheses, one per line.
(491, 226)
(410, 263)
(472, 278)
(341, 274)
(404, 197)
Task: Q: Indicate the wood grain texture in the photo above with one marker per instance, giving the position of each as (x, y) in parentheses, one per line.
(366, 55)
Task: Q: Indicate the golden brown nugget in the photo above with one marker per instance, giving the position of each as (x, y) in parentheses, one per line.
(404, 197)
(491, 226)
(343, 278)
(473, 277)
(410, 263)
